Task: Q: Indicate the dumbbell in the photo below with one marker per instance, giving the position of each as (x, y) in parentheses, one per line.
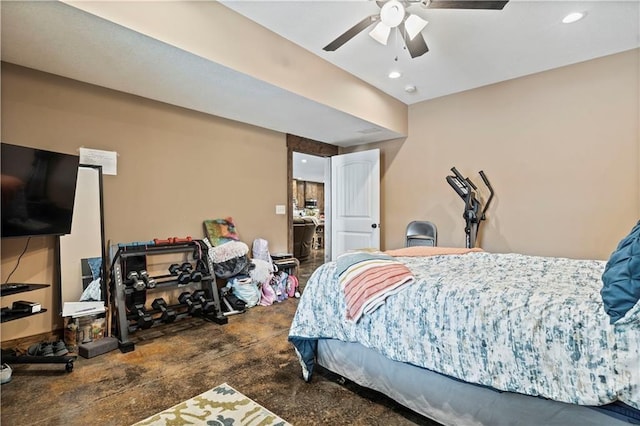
(183, 272)
(196, 276)
(128, 296)
(134, 280)
(133, 297)
(195, 308)
(168, 315)
(208, 306)
(186, 239)
(148, 281)
(144, 319)
(173, 240)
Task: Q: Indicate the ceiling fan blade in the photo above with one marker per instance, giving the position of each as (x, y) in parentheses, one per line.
(350, 33)
(466, 4)
(417, 46)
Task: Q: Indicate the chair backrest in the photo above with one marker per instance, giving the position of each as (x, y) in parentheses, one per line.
(421, 233)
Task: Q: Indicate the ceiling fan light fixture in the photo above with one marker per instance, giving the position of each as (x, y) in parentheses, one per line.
(392, 13)
(380, 33)
(414, 25)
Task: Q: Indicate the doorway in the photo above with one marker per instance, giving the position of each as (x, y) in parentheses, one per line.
(308, 184)
(300, 145)
(308, 187)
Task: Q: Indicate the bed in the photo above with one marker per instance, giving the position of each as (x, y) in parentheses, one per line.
(478, 338)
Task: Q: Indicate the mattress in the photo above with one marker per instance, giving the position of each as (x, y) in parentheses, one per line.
(521, 324)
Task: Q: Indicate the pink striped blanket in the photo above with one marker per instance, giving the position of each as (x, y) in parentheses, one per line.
(367, 279)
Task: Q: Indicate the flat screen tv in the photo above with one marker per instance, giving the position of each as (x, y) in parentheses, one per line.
(38, 191)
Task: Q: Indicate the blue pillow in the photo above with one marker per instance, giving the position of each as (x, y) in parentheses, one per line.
(621, 277)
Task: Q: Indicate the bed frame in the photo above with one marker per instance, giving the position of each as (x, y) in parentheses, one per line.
(451, 402)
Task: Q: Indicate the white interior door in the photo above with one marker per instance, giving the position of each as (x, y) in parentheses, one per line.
(355, 202)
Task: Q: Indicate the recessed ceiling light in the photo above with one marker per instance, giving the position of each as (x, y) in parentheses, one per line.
(304, 160)
(410, 89)
(573, 17)
(394, 74)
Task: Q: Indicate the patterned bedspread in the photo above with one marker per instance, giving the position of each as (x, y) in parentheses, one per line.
(526, 324)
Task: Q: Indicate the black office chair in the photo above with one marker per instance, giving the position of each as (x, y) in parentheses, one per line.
(422, 233)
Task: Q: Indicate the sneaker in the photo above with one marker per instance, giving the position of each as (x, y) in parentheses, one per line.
(59, 348)
(46, 349)
(34, 349)
(40, 349)
(5, 374)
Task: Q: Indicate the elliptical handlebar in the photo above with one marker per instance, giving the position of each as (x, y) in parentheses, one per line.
(458, 175)
(462, 183)
(488, 184)
(464, 187)
(470, 182)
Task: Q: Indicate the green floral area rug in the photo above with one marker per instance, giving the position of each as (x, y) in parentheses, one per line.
(220, 406)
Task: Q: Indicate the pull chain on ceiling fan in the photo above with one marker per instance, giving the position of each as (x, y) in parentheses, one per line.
(393, 14)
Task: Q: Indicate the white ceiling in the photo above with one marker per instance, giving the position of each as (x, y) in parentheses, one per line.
(308, 167)
(60, 39)
(468, 49)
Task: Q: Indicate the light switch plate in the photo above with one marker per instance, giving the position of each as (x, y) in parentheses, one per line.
(281, 209)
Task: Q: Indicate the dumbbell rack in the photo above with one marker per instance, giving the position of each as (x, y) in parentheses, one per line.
(119, 286)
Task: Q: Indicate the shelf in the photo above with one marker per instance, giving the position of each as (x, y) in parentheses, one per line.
(173, 283)
(10, 316)
(29, 359)
(281, 256)
(7, 315)
(124, 294)
(14, 288)
(289, 265)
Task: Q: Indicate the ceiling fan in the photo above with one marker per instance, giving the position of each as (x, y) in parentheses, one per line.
(393, 14)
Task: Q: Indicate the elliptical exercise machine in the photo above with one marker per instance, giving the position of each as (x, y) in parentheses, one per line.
(474, 212)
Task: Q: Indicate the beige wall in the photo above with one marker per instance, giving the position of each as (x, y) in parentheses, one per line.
(561, 149)
(175, 168)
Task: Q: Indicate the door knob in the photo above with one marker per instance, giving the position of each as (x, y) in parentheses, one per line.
(374, 225)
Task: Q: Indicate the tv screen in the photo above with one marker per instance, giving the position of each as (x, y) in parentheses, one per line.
(38, 191)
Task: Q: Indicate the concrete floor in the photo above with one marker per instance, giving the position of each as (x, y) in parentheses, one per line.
(174, 362)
